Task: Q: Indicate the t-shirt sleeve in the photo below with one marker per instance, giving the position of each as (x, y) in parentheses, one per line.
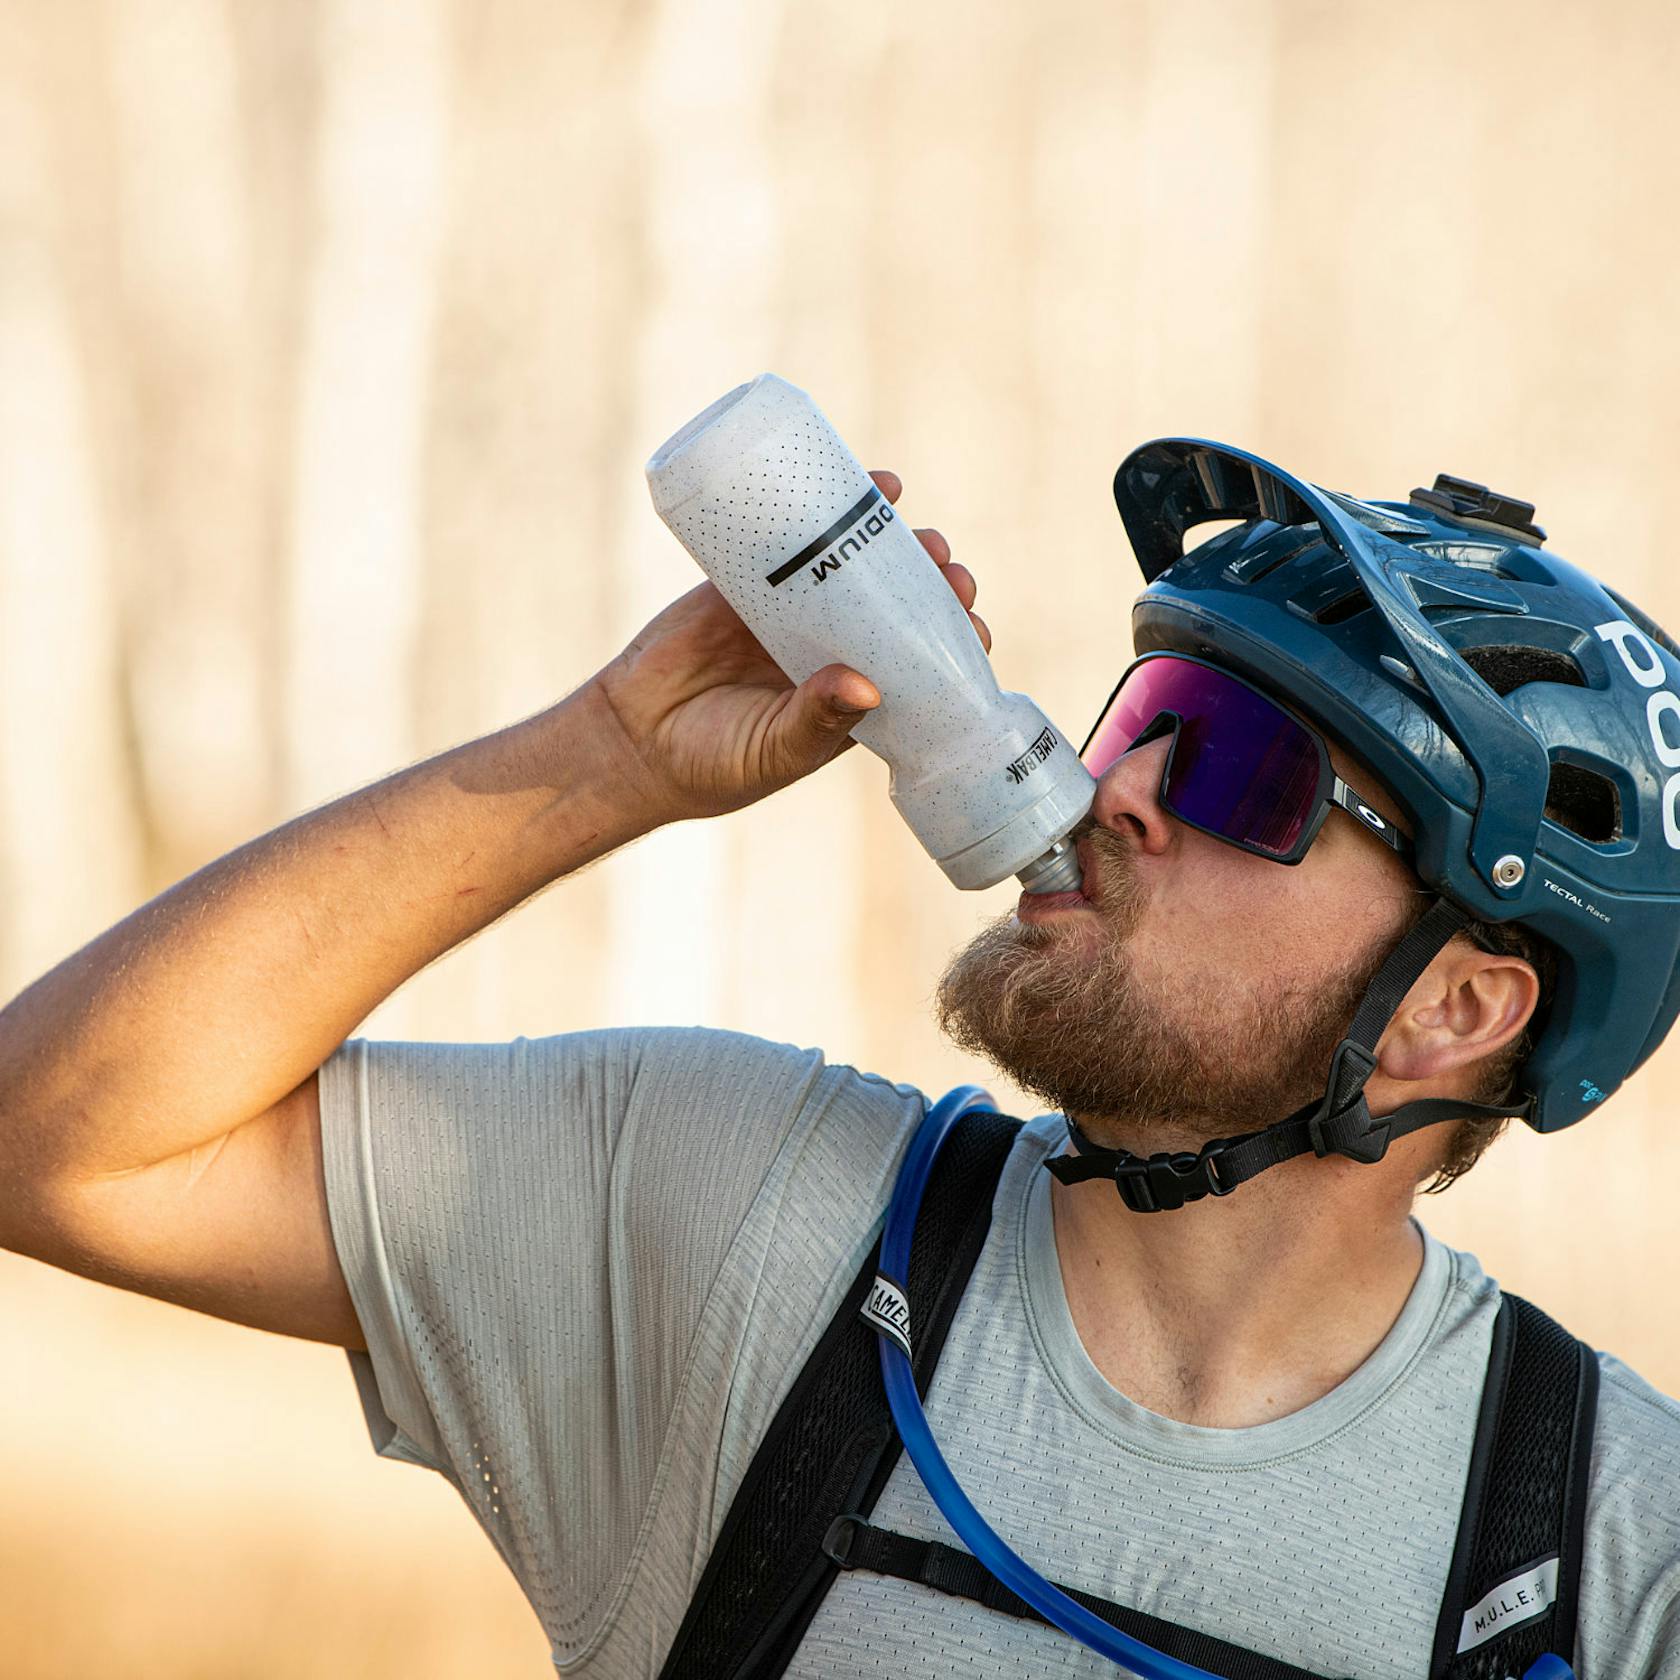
(529, 1232)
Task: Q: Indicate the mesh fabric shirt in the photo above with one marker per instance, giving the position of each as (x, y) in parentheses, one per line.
(588, 1268)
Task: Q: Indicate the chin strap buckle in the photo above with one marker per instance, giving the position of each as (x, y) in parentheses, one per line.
(1165, 1182)
(1147, 1184)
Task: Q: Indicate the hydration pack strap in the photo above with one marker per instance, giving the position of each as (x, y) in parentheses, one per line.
(1515, 1575)
(855, 1543)
(831, 1444)
(1511, 1590)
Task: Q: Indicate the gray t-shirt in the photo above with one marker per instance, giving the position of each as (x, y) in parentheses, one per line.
(589, 1266)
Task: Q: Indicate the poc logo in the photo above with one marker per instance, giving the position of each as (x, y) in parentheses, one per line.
(1662, 712)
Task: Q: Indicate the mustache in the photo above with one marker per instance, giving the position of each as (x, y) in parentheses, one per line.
(1115, 884)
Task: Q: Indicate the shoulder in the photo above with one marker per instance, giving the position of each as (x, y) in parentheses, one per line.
(609, 1081)
(1632, 1557)
(1647, 1409)
(1630, 1575)
(1629, 1616)
(675, 1063)
(694, 1086)
(1636, 1445)
(654, 1144)
(717, 1132)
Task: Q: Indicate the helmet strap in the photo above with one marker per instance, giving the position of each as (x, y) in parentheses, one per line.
(1339, 1123)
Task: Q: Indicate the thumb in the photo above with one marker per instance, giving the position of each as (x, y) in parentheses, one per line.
(848, 693)
(829, 703)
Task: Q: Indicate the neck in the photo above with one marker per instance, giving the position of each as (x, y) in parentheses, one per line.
(1236, 1310)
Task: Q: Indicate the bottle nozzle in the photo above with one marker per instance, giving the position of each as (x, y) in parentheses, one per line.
(1054, 871)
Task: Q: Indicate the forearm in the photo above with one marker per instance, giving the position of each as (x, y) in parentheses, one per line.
(211, 1002)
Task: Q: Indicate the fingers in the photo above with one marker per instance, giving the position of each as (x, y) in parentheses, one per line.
(961, 580)
(934, 542)
(963, 586)
(938, 549)
(892, 487)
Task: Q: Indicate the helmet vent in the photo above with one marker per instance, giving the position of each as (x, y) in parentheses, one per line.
(1584, 802)
(1504, 667)
(1275, 550)
(1479, 557)
(1343, 607)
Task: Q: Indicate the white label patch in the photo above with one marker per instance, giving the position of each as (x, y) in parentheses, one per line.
(888, 1310)
(1520, 1599)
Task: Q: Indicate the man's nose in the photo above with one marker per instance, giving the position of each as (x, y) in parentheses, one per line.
(1128, 798)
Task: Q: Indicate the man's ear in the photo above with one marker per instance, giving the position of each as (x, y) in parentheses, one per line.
(1466, 1005)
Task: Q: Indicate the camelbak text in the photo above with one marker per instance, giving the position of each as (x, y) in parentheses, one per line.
(888, 1310)
(1034, 756)
(1662, 712)
(867, 517)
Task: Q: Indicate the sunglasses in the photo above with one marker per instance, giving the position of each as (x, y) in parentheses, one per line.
(1239, 766)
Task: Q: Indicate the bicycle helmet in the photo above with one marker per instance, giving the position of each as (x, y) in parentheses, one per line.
(1525, 718)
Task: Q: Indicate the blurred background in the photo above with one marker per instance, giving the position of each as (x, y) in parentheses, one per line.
(333, 337)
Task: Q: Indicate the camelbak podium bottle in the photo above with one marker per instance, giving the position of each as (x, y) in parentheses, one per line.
(780, 515)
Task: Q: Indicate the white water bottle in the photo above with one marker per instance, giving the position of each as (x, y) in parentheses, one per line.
(780, 515)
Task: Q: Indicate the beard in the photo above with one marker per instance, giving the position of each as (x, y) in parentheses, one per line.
(1144, 1054)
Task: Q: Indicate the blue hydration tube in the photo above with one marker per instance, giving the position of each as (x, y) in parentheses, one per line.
(959, 1511)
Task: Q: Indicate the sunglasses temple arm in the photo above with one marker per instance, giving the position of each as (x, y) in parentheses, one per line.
(1379, 825)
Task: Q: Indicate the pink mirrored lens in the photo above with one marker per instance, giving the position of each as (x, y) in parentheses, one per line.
(1241, 767)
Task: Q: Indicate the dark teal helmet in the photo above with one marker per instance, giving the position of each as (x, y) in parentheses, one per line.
(1525, 717)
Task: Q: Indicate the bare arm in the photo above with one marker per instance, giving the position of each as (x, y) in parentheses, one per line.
(221, 995)
(159, 1107)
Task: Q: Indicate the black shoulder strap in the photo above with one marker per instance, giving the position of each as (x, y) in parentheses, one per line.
(856, 1544)
(1512, 1587)
(1515, 1575)
(832, 1445)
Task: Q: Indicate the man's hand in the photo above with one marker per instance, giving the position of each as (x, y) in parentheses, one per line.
(715, 722)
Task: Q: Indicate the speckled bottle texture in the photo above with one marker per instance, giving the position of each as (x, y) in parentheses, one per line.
(783, 518)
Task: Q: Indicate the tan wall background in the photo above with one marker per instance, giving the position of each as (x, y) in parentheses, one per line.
(333, 336)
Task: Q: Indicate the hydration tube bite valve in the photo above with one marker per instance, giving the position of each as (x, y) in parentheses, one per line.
(780, 515)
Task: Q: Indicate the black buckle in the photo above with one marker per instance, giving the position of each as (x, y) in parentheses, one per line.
(837, 1542)
(1164, 1182)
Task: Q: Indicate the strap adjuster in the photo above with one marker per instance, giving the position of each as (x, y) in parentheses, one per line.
(837, 1542)
(1355, 1133)
(1348, 1129)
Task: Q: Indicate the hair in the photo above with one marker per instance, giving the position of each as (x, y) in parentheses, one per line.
(1473, 1136)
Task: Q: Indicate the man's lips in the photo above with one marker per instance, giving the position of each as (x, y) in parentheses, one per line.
(1033, 905)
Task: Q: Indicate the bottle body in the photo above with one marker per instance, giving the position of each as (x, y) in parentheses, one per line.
(780, 515)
